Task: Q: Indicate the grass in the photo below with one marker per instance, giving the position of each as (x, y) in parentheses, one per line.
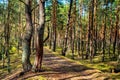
(16, 65)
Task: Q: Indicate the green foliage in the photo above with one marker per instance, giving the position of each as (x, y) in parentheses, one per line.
(13, 50)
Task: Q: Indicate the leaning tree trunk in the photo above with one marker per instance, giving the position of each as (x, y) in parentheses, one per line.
(27, 38)
(39, 37)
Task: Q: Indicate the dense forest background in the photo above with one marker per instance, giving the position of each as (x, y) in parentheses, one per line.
(83, 30)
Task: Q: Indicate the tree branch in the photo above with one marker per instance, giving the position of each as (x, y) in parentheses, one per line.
(34, 7)
(47, 36)
(22, 1)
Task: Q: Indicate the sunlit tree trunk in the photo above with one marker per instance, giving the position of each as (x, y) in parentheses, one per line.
(39, 37)
(89, 52)
(104, 32)
(72, 28)
(95, 27)
(64, 49)
(54, 23)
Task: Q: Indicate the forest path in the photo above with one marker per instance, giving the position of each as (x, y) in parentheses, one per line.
(60, 68)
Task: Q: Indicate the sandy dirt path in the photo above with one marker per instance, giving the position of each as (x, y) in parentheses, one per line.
(59, 68)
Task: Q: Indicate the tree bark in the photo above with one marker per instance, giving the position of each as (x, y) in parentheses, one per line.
(64, 49)
(54, 24)
(39, 37)
(27, 38)
(104, 33)
(7, 37)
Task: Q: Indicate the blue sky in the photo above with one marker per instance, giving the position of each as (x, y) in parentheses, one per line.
(1, 1)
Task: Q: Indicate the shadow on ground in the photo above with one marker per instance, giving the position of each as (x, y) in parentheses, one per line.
(59, 68)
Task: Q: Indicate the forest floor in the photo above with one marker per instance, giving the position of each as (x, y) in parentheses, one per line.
(56, 68)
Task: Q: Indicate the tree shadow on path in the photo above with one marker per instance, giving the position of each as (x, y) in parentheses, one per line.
(59, 68)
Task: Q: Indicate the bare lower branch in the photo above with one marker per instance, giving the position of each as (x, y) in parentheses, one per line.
(22, 1)
(47, 36)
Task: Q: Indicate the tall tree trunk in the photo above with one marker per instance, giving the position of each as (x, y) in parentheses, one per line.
(7, 37)
(27, 38)
(80, 27)
(104, 33)
(111, 28)
(39, 37)
(118, 31)
(90, 31)
(54, 24)
(73, 20)
(95, 27)
(64, 49)
(3, 48)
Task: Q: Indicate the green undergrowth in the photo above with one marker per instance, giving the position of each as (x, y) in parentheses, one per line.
(16, 64)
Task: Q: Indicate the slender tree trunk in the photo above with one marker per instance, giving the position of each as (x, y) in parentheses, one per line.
(27, 38)
(91, 31)
(3, 49)
(73, 20)
(111, 28)
(104, 33)
(95, 27)
(7, 37)
(39, 37)
(116, 34)
(50, 39)
(80, 27)
(64, 49)
(54, 24)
